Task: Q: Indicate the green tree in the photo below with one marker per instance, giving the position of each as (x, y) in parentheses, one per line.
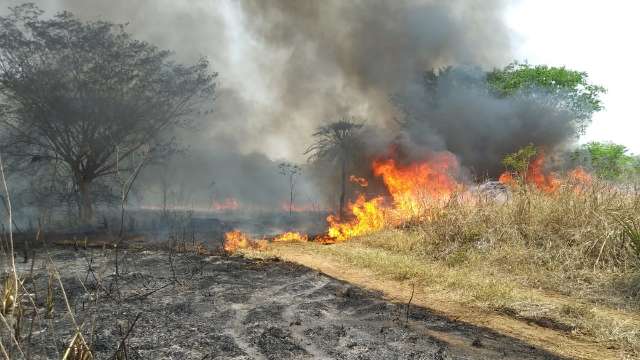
(570, 89)
(608, 160)
(336, 142)
(518, 162)
(89, 97)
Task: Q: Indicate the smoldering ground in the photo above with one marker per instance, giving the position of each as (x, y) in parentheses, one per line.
(287, 67)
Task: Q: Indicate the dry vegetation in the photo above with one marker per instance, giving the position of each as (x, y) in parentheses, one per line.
(569, 261)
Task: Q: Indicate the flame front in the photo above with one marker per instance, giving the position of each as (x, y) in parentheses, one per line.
(368, 216)
(291, 236)
(414, 185)
(535, 175)
(234, 240)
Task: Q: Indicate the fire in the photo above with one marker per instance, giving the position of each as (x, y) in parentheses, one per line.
(411, 185)
(507, 178)
(236, 240)
(368, 216)
(291, 236)
(359, 180)
(580, 176)
(536, 176)
(225, 205)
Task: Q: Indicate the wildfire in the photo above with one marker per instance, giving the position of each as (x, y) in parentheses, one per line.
(548, 182)
(291, 236)
(227, 204)
(580, 176)
(359, 180)
(414, 189)
(236, 240)
(368, 216)
(536, 176)
(411, 185)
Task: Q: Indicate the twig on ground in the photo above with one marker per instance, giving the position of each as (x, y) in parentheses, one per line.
(413, 288)
(122, 346)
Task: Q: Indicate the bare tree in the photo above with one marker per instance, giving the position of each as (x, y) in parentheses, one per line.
(88, 95)
(290, 171)
(336, 142)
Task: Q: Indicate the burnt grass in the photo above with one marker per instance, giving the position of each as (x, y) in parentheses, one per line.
(190, 306)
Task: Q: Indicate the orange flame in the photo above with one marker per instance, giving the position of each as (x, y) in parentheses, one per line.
(291, 236)
(236, 240)
(359, 180)
(536, 176)
(580, 176)
(368, 217)
(412, 184)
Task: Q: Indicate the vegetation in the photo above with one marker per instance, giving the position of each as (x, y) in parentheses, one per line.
(518, 162)
(571, 89)
(336, 142)
(567, 261)
(291, 172)
(84, 97)
(608, 160)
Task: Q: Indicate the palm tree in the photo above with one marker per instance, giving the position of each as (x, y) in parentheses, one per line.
(335, 142)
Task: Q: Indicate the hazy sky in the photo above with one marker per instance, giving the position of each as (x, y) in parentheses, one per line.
(596, 36)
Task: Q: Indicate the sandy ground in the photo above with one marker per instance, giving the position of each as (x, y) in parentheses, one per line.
(219, 307)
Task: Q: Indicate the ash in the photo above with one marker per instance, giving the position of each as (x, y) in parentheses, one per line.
(165, 305)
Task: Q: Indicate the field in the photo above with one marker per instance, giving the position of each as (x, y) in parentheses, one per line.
(564, 266)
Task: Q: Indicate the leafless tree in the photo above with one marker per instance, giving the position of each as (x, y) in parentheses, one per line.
(291, 172)
(88, 95)
(336, 142)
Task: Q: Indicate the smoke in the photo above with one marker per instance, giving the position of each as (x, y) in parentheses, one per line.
(288, 66)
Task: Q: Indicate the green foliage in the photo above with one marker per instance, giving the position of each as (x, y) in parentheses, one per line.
(608, 160)
(570, 89)
(518, 162)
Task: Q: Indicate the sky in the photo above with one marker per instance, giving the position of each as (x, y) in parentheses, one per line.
(596, 36)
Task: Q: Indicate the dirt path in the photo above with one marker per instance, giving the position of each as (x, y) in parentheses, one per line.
(234, 308)
(557, 342)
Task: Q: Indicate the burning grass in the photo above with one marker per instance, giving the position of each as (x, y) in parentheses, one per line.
(564, 259)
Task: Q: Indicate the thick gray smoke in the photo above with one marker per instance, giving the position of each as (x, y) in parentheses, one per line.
(288, 66)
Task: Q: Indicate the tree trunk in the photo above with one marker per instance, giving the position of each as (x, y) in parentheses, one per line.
(86, 205)
(290, 195)
(343, 188)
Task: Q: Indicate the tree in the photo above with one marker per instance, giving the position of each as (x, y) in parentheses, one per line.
(336, 142)
(608, 160)
(89, 96)
(518, 162)
(291, 171)
(570, 89)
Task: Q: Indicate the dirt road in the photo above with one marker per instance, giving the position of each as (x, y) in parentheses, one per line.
(218, 307)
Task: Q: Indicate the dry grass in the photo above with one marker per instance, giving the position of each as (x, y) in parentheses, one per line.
(568, 260)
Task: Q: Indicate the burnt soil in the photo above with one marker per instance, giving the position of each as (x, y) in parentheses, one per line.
(219, 307)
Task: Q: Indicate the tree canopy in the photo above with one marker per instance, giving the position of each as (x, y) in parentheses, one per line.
(570, 88)
(87, 95)
(608, 160)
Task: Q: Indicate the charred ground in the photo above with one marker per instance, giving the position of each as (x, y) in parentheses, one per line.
(188, 306)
